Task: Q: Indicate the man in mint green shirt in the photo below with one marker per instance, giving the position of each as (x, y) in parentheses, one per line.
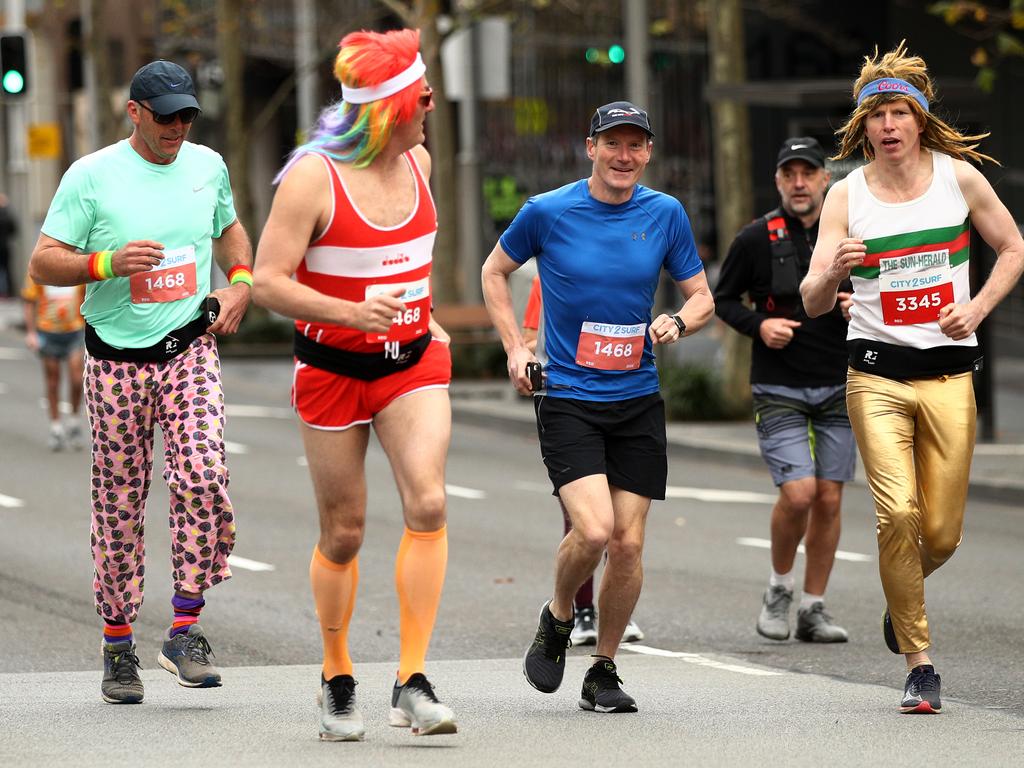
(141, 223)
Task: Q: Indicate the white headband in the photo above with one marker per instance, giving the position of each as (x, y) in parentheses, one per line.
(391, 86)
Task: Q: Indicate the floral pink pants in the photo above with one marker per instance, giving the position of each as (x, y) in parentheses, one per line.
(125, 401)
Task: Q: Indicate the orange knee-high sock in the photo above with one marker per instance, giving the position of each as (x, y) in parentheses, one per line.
(419, 577)
(334, 592)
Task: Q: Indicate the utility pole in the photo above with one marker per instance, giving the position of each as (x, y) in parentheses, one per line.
(17, 152)
(92, 98)
(305, 65)
(469, 189)
(634, 16)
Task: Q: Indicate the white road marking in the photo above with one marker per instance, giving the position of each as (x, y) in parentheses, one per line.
(527, 485)
(853, 557)
(464, 493)
(238, 448)
(696, 658)
(716, 495)
(302, 461)
(250, 565)
(10, 502)
(258, 411)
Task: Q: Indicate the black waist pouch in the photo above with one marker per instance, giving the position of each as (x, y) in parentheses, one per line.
(366, 366)
(168, 348)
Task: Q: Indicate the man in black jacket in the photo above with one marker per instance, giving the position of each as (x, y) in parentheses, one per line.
(798, 381)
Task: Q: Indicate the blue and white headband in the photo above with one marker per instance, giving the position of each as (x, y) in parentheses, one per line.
(892, 85)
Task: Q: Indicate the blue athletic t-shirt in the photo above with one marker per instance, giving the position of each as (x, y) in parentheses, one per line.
(599, 266)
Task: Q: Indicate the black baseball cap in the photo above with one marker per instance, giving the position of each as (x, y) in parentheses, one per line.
(166, 86)
(619, 113)
(801, 148)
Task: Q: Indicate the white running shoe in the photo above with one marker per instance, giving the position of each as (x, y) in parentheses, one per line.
(415, 705)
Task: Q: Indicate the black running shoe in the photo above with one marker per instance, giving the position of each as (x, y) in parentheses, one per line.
(889, 633)
(601, 692)
(121, 682)
(921, 696)
(544, 663)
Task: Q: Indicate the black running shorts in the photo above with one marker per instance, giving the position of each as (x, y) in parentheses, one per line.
(624, 440)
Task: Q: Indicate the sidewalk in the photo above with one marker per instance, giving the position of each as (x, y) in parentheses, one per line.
(997, 472)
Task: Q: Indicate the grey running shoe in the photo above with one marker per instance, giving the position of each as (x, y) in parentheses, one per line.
(633, 633)
(773, 621)
(55, 440)
(921, 694)
(544, 662)
(121, 681)
(601, 692)
(340, 719)
(889, 633)
(415, 705)
(816, 625)
(585, 631)
(74, 436)
(189, 657)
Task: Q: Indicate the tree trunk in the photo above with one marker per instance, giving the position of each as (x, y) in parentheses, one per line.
(733, 192)
(236, 142)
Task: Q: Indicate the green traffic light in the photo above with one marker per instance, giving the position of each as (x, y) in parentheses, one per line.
(13, 82)
(616, 54)
(592, 55)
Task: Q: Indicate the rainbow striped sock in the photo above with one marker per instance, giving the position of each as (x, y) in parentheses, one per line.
(117, 633)
(186, 613)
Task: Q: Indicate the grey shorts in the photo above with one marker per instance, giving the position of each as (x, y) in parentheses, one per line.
(804, 432)
(59, 345)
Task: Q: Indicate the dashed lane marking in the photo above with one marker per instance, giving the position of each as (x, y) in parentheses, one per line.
(717, 495)
(853, 557)
(258, 411)
(10, 502)
(249, 565)
(464, 493)
(696, 658)
(235, 448)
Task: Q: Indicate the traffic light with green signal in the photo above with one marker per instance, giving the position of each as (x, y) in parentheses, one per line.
(13, 65)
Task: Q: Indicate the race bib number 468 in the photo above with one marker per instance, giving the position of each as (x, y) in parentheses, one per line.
(913, 287)
(611, 347)
(172, 279)
(414, 320)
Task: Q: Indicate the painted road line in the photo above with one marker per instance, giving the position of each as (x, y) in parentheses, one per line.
(236, 448)
(249, 565)
(528, 485)
(10, 502)
(696, 658)
(715, 495)
(258, 412)
(853, 557)
(464, 493)
(302, 461)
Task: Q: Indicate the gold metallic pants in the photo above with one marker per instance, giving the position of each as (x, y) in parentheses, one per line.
(916, 439)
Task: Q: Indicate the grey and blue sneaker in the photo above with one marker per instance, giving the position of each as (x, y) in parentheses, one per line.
(415, 706)
(189, 657)
(773, 621)
(601, 691)
(816, 625)
(544, 662)
(921, 694)
(340, 719)
(121, 682)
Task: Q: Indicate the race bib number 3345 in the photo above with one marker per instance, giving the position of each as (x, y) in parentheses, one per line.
(172, 279)
(913, 288)
(611, 347)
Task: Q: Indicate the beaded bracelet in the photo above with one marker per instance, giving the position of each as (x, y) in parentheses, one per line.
(101, 265)
(240, 274)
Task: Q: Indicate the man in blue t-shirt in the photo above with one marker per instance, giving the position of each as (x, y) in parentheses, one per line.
(600, 245)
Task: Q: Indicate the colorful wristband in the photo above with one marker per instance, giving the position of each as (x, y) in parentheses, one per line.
(101, 265)
(240, 274)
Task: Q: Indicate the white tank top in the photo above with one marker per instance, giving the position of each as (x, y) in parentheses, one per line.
(918, 260)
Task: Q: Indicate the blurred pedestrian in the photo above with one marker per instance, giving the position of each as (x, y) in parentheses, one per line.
(141, 222)
(600, 244)
(354, 223)
(899, 227)
(798, 382)
(54, 329)
(8, 229)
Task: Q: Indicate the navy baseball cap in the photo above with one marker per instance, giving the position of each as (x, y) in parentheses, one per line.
(801, 148)
(166, 86)
(619, 113)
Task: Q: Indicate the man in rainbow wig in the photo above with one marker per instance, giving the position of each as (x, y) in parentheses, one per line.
(899, 228)
(354, 223)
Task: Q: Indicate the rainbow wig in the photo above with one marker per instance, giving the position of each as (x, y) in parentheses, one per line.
(356, 133)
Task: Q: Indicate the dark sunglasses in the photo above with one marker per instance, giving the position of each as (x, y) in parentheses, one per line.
(426, 97)
(186, 115)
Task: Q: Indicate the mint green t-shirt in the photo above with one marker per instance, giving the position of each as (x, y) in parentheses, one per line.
(112, 197)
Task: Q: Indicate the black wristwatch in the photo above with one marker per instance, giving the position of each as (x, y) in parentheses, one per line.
(679, 324)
